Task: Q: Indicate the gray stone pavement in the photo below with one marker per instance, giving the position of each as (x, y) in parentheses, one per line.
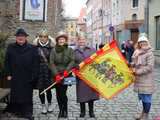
(122, 107)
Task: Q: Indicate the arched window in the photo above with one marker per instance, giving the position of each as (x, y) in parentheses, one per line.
(134, 17)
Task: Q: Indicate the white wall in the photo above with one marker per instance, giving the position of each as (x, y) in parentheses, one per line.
(154, 11)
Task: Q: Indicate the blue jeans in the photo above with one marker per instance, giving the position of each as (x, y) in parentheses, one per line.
(146, 100)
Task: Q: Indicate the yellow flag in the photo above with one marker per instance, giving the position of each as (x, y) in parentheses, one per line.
(106, 71)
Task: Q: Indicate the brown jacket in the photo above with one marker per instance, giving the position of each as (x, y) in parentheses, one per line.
(143, 62)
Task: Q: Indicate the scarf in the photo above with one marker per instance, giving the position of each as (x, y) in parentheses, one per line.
(43, 44)
(137, 53)
(61, 48)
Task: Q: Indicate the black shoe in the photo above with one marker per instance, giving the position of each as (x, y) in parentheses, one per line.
(60, 114)
(91, 114)
(65, 114)
(91, 110)
(82, 114)
(83, 110)
(29, 117)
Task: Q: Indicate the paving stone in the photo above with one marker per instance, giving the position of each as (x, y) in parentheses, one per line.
(122, 107)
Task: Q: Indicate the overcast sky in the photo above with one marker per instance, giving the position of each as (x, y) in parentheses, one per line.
(72, 7)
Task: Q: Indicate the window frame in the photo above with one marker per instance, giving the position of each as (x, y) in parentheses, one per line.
(134, 7)
(38, 20)
(157, 20)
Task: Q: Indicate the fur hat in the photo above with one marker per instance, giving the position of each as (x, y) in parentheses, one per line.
(43, 32)
(35, 41)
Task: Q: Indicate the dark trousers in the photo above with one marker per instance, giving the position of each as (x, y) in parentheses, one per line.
(42, 97)
(90, 106)
(62, 99)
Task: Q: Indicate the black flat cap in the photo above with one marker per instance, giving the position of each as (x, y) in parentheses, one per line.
(21, 32)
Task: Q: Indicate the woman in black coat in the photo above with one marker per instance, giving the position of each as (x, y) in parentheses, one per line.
(22, 64)
(45, 45)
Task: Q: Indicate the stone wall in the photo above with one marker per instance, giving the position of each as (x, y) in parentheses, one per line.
(154, 11)
(10, 18)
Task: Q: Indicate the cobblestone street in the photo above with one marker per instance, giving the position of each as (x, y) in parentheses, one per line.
(94, 39)
(122, 107)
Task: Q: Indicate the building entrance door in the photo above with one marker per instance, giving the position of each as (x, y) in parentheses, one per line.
(134, 35)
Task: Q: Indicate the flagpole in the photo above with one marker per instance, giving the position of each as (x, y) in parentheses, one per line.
(51, 85)
(48, 88)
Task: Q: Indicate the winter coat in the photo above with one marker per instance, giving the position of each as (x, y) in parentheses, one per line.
(123, 49)
(143, 63)
(44, 77)
(84, 92)
(129, 52)
(22, 63)
(51, 39)
(61, 58)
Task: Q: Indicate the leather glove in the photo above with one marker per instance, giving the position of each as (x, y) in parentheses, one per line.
(65, 73)
(100, 51)
(88, 61)
(75, 70)
(58, 78)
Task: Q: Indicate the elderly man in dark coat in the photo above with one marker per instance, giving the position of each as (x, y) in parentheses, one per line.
(85, 94)
(22, 64)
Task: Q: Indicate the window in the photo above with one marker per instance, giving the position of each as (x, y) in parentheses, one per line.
(134, 17)
(33, 10)
(135, 3)
(117, 3)
(158, 32)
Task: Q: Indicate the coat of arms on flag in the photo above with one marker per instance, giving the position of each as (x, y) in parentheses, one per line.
(106, 71)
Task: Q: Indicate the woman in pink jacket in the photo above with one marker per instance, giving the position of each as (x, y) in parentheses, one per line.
(143, 66)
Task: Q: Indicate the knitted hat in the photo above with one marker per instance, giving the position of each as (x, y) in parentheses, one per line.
(142, 37)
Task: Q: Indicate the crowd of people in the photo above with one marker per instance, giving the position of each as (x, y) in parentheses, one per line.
(38, 65)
